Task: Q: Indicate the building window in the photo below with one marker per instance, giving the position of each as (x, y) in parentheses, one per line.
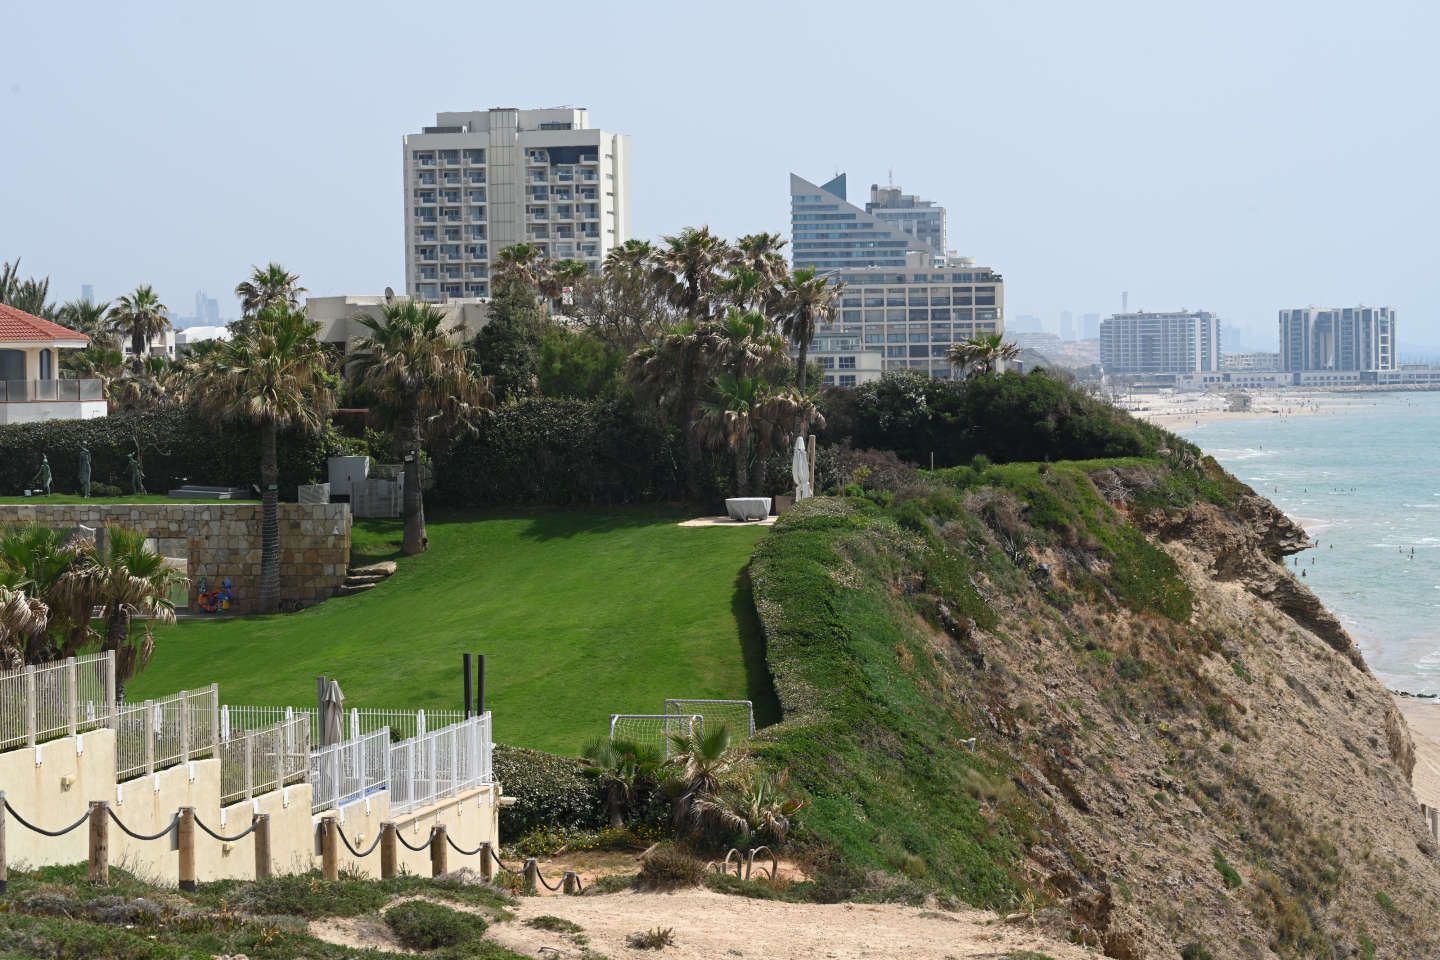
(46, 373)
(847, 379)
(847, 363)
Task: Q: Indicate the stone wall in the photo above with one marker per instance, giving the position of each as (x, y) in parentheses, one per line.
(223, 540)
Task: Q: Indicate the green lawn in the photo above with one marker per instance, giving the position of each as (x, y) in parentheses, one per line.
(581, 613)
(124, 498)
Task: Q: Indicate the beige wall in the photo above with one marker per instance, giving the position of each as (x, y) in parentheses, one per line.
(223, 540)
(470, 819)
(148, 803)
(54, 792)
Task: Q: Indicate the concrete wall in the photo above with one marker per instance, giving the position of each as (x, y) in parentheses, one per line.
(35, 411)
(471, 819)
(223, 540)
(51, 786)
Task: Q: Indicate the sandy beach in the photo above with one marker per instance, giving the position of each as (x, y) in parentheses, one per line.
(1176, 410)
(1423, 716)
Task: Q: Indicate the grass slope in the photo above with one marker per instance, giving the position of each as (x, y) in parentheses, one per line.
(581, 612)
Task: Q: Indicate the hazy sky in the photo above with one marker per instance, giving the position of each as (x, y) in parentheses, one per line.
(1239, 157)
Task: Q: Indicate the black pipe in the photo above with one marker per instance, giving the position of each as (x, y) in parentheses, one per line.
(480, 687)
(465, 659)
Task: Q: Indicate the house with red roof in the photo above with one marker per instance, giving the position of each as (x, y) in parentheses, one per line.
(31, 387)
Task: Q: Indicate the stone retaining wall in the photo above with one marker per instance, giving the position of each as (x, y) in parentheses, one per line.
(223, 540)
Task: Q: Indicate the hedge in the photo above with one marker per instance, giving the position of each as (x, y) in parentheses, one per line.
(548, 791)
(176, 445)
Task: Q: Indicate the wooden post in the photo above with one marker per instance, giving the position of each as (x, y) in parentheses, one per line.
(99, 842)
(439, 855)
(532, 876)
(388, 851)
(262, 847)
(487, 863)
(4, 870)
(330, 850)
(572, 883)
(185, 835)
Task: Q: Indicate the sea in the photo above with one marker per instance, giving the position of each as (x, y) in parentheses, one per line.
(1363, 476)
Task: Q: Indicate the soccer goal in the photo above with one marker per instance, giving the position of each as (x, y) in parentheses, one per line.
(737, 715)
(654, 729)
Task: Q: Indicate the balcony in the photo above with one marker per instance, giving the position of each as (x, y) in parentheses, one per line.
(29, 401)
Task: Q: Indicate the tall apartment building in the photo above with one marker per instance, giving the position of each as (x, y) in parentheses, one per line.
(480, 181)
(903, 304)
(1338, 338)
(922, 219)
(1185, 341)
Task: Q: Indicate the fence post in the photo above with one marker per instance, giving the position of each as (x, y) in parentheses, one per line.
(572, 883)
(262, 846)
(434, 773)
(109, 673)
(387, 850)
(30, 705)
(4, 870)
(149, 733)
(329, 850)
(419, 723)
(360, 768)
(72, 697)
(99, 842)
(532, 875)
(454, 739)
(249, 765)
(487, 863)
(186, 841)
(438, 853)
(215, 719)
(185, 727)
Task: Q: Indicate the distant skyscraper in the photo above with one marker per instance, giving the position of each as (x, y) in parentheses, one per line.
(87, 293)
(1338, 338)
(207, 310)
(903, 305)
(1180, 342)
(1067, 325)
(1090, 326)
(480, 181)
(922, 219)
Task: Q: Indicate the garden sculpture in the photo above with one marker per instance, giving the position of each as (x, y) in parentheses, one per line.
(84, 469)
(137, 475)
(43, 478)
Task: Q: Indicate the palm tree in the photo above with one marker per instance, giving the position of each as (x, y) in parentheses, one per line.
(560, 275)
(759, 253)
(632, 256)
(809, 303)
(141, 317)
(36, 559)
(703, 759)
(623, 769)
(984, 353)
(22, 621)
(692, 262)
(274, 375)
(102, 361)
(522, 266)
(30, 295)
(408, 357)
(270, 286)
(726, 421)
(88, 318)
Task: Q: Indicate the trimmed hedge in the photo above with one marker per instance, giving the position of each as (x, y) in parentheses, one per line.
(176, 445)
(548, 791)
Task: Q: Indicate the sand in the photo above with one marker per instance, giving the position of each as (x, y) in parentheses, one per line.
(1423, 716)
(1175, 411)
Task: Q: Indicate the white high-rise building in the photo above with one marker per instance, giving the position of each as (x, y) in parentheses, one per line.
(1185, 341)
(480, 181)
(1338, 338)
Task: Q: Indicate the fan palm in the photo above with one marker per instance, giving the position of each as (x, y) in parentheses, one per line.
(983, 354)
(702, 759)
(273, 375)
(759, 253)
(141, 317)
(809, 303)
(562, 274)
(22, 620)
(30, 295)
(268, 286)
(692, 261)
(88, 318)
(632, 256)
(522, 266)
(409, 357)
(622, 769)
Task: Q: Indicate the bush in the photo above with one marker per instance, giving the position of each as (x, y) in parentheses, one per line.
(176, 445)
(839, 466)
(657, 939)
(554, 924)
(549, 791)
(669, 867)
(308, 895)
(422, 925)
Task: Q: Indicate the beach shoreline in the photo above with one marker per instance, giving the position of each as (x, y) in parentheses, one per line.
(1173, 411)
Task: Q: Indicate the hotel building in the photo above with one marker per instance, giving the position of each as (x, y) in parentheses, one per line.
(1337, 339)
(480, 181)
(1186, 341)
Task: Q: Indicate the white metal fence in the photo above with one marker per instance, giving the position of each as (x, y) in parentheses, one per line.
(737, 715)
(258, 761)
(653, 729)
(359, 721)
(46, 701)
(344, 773)
(156, 734)
(440, 764)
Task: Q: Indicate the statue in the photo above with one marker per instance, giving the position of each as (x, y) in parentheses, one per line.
(84, 469)
(43, 477)
(137, 475)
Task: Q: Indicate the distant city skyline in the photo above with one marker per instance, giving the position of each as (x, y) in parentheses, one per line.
(1224, 189)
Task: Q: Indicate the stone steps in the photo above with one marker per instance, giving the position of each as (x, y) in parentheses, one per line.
(349, 589)
(360, 579)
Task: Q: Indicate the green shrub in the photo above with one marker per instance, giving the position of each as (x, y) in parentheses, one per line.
(549, 791)
(670, 867)
(656, 939)
(308, 895)
(554, 924)
(1195, 951)
(422, 925)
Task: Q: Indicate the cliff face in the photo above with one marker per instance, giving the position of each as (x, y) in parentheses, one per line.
(1183, 747)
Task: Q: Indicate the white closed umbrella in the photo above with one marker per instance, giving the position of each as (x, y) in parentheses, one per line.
(800, 471)
(332, 715)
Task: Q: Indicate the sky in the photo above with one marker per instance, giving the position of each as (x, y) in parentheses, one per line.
(1235, 157)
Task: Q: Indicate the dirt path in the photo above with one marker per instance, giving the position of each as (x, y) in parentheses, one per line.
(708, 925)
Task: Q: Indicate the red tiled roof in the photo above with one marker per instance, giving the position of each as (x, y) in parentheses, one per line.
(19, 325)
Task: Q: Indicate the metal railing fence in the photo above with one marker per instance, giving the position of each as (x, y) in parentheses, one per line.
(258, 761)
(29, 391)
(45, 701)
(156, 734)
(347, 772)
(359, 721)
(440, 764)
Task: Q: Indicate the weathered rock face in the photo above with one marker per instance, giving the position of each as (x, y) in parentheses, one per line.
(220, 540)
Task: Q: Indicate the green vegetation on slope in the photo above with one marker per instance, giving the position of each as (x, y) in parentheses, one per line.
(581, 612)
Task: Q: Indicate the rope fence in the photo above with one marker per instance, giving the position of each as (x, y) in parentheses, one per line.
(173, 824)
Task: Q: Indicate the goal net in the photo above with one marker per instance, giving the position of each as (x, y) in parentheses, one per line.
(653, 729)
(736, 715)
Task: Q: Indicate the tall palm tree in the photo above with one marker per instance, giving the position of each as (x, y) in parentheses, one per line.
(141, 317)
(692, 262)
(88, 318)
(268, 286)
(760, 254)
(30, 295)
(409, 357)
(810, 302)
(984, 353)
(521, 265)
(560, 275)
(726, 421)
(633, 256)
(703, 760)
(274, 375)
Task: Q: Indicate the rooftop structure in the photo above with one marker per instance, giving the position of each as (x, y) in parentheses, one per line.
(339, 327)
(922, 219)
(480, 181)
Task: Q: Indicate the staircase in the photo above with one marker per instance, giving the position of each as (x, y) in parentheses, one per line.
(360, 579)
